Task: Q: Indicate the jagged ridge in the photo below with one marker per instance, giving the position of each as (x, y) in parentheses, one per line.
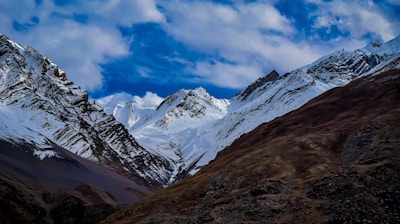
(48, 109)
(334, 160)
(196, 141)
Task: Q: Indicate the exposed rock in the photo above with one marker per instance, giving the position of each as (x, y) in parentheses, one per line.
(272, 76)
(47, 109)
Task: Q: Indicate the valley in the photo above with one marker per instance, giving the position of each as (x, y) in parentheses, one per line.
(318, 144)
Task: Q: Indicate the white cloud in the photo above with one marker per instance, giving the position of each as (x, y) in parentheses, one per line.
(244, 40)
(143, 71)
(225, 74)
(78, 48)
(356, 17)
(216, 26)
(248, 39)
(149, 100)
(254, 38)
(121, 12)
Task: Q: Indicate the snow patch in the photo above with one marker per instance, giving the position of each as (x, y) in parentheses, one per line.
(45, 154)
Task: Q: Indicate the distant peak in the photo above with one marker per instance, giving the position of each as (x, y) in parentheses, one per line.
(199, 91)
(381, 47)
(375, 43)
(272, 76)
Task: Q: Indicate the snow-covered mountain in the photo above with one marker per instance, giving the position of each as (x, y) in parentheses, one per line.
(40, 107)
(175, 121)
(190, 127)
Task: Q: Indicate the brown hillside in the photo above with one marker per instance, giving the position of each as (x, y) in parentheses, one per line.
(335, 159)
(69, 189)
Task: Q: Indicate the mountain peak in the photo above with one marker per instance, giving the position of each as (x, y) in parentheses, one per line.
(272, 76)
(380, 47)
(182, 96)
(171, 99)
(199, 90)
(45, 105)
(375, 43)
(15, 55)
(194, 103)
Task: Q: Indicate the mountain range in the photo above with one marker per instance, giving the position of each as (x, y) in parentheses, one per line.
(63, 159)
(190, 127)
(66, 158)
(336, 159)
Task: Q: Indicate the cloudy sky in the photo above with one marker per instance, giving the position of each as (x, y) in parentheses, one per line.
(160, 46)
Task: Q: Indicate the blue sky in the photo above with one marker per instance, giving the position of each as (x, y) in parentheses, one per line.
(160, 46)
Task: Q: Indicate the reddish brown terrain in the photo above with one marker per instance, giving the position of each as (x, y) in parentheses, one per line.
(59, 190)
(334, 160)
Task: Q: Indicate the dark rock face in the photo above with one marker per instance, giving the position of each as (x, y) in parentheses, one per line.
(17, 206)
(272, 76)
(70, 209)
(334, 160)
(356, 196)
(24, 206)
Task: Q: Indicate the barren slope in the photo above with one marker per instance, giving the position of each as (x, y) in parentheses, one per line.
(62, 189)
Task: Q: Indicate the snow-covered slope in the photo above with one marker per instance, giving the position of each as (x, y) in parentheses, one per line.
(171, 126)
(38, 105)
(190, 127)
(130, 109)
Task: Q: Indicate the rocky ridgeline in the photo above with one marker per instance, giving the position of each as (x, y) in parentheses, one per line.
(49, 110)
